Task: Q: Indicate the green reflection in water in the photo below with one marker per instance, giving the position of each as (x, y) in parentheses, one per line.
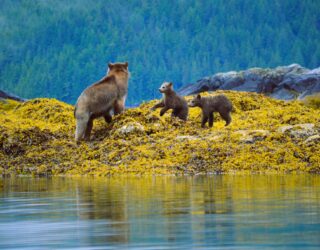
(221, 211)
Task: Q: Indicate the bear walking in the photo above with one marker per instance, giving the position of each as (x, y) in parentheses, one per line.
(172, 101)
(99, 99)
(219, 103)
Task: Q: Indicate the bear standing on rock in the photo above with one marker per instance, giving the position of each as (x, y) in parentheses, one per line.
(100, 98)
(172, 101)
(219, 103)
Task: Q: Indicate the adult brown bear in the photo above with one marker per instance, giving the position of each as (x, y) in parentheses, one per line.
(100, 98)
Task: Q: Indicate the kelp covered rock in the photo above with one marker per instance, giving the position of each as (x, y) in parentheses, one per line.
(37, 137)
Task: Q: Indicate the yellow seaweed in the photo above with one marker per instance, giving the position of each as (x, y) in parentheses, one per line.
(37, 137)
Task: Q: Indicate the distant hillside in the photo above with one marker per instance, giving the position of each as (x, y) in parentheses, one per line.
(55, 48)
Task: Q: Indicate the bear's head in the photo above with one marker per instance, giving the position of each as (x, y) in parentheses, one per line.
(195, 102)
(118, 68)
(166, 87)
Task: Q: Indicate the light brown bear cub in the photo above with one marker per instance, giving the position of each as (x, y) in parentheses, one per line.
(172, 101)
(219, 103)
(100, 98)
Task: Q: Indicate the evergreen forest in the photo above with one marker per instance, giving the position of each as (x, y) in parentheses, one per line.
(56, 48)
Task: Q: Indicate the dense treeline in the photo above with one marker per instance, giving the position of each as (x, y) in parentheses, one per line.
(55, 48)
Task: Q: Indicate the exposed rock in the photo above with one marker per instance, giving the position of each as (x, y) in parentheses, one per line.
(251, 136)
(186, 137)
(284, 94)
(5, 95)
(133, 127)
(285, 82)
(299, 130)
(312, 139)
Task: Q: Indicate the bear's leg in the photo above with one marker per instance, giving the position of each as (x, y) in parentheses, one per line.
(175, 113)
(81, 127)
(211, 120)
(184, 114)
(158, 105)
(118, 106)
(163, 110)
(204, 120)
(181, 114)
(108, 118)
(226, 116)
(88, 130)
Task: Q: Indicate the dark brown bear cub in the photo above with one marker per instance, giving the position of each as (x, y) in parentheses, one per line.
(172, 101)
(219, 103)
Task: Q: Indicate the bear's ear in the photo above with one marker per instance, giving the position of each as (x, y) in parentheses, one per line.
(126, 64)
(198, 96)
(110, 65)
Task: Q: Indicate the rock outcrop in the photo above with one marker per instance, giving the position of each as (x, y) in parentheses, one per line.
(285, 83)
(265, 135)
(6, 95)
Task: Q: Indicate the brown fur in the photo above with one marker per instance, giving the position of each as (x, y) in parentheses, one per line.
(101, 98)
(172, 101)
(219, 103)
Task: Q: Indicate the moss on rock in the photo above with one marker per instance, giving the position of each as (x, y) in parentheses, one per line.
(37, 137)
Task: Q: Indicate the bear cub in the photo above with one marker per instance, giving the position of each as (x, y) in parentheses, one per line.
(219, 103)
(172, 101)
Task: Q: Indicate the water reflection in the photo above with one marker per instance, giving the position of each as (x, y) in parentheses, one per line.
(221, 211)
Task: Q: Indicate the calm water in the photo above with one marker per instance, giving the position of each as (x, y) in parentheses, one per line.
(217, 212)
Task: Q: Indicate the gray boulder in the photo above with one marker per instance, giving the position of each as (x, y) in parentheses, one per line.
(284, 82)
(131, 128)
(6, 95)
(299, 130)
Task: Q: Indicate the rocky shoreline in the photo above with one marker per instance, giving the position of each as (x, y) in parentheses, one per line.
(265, 135)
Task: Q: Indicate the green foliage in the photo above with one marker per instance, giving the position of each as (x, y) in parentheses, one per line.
(56, 48)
